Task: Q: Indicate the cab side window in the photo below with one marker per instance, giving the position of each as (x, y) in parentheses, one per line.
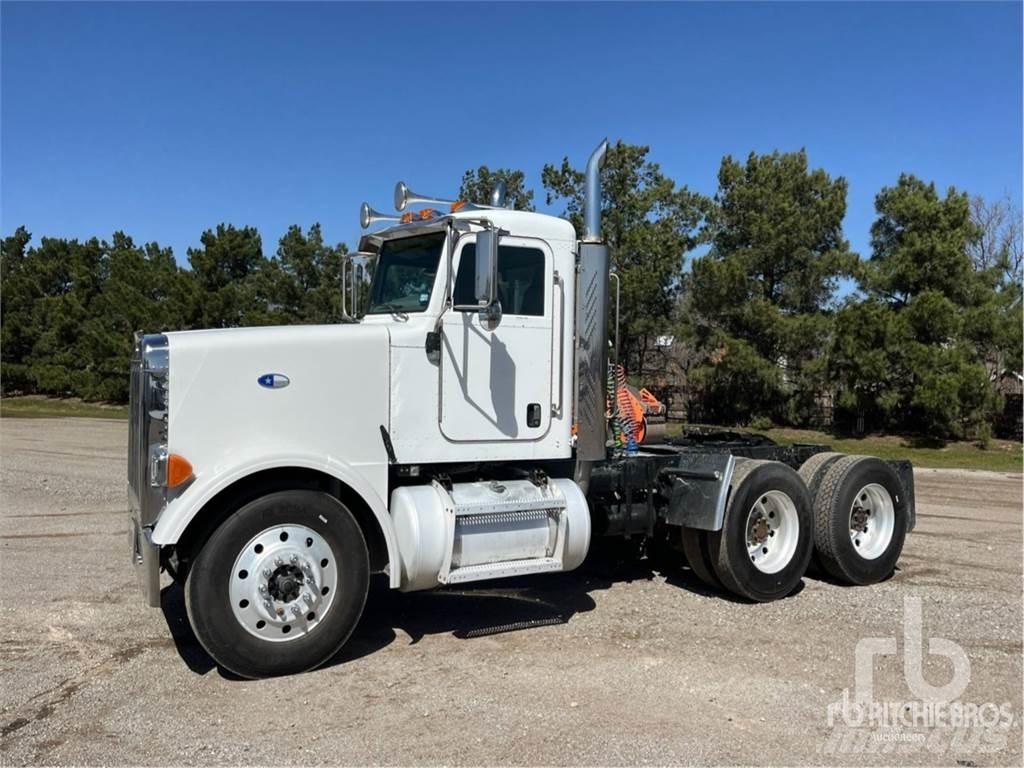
(521, 283)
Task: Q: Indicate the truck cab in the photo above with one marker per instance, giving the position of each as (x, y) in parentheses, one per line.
(468, 384)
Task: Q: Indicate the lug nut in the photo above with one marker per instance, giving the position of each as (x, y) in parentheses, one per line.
(267, 573)
(293, 559)
(278, 561)
(307, 597)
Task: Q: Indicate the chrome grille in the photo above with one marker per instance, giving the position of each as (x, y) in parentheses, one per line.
(147, 425)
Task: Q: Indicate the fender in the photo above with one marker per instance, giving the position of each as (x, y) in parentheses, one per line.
(177, 515)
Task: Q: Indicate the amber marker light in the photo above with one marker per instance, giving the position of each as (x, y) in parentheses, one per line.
(178, 470)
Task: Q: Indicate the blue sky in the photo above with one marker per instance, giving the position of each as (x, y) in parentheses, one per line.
(165, 119)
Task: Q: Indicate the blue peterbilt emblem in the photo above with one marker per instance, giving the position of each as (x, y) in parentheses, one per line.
(273, 380)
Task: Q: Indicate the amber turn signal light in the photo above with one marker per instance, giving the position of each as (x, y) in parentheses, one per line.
(178, 470)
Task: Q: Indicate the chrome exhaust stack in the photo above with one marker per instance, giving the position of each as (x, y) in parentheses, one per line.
(591, 326)
(498, 195)
(592, 194)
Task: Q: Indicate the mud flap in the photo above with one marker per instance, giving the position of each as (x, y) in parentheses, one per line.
(905, 472)
(699, 490)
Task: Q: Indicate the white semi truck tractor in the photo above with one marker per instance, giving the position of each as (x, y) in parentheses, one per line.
(458, 432)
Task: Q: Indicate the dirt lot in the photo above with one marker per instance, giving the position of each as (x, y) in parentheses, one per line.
(648, 668)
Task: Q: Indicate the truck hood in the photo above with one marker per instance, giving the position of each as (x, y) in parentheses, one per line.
(238, 395)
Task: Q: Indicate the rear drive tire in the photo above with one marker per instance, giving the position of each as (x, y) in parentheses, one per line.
(695, 548)
(813, 470)
(860, 520)
(280, 585)
(766, 540)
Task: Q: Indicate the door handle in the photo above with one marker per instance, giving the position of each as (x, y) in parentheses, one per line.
(533, 415)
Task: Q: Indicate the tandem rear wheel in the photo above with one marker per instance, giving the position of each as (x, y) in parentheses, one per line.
(851, 512)
(766, 539)
(279, 585)
(861, 516)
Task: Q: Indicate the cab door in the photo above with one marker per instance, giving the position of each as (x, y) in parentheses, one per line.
(496, 381)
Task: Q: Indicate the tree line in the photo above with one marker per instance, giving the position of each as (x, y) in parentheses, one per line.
(747, 305)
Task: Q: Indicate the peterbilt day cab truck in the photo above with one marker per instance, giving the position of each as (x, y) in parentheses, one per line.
(458, 432)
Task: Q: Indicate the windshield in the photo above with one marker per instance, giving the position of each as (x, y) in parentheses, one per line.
(404, 275)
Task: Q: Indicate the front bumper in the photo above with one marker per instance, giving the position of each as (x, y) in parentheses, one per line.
(145, 557)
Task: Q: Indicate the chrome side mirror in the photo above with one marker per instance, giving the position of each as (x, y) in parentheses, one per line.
(487, 268)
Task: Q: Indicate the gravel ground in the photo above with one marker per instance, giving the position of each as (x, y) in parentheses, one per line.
(648, 668)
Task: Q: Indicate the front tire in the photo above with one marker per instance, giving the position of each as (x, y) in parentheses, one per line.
(280, 585)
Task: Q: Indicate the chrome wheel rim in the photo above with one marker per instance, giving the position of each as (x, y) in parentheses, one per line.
(283, 583)
(773, 531)
(872, 521)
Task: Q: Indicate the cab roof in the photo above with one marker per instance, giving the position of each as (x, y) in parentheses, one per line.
(517, 223)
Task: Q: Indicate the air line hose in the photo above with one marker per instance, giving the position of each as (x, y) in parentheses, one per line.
(623, 412)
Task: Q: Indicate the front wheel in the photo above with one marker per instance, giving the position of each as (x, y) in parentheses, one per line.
(280, 585)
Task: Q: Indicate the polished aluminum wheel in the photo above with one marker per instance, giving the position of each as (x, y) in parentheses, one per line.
(283, 583)
(773, 531)
(872, 521)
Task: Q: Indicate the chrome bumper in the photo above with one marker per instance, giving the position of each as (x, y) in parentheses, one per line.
(145, 557)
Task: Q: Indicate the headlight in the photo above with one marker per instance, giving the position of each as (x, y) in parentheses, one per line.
(156, 415)
(166, 470)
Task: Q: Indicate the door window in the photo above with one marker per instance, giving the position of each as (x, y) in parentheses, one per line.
(521, 284)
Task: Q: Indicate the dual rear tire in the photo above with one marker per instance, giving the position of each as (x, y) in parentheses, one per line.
(861, 518)
(849, 512)
(766, 539)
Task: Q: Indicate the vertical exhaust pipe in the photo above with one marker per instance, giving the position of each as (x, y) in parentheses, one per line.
(592, 194)
(591, 327)
(498, 195)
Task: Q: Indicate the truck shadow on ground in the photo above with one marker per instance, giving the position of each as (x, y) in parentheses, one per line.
(491, 608)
